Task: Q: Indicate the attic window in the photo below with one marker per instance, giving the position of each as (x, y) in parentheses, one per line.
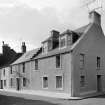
(62, 42)
(45, 47)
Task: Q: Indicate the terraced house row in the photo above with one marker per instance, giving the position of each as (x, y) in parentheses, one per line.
(72, 62)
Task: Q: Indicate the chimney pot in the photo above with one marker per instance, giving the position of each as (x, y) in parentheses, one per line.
(23, 47)
(95, 17)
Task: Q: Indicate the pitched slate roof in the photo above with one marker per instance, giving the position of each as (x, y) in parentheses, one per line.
(26, 56)
(81, 30)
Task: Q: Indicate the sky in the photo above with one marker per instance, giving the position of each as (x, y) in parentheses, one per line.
(32, 20)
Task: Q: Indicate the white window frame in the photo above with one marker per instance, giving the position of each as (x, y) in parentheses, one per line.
(60, 61)
(98, 62)
(62, 82)
(25, 81)
(45, 46)
(82, 61)
(84, 81)
(43, 82)
(63, 37)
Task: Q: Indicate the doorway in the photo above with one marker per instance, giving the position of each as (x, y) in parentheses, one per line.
(99, 83)
(1, 84)
(18, 83)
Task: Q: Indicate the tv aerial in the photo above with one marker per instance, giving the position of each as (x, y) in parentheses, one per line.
(93, 5)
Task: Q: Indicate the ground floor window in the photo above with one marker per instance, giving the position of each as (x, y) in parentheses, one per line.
(24, 82)
(45, 82)
(4, 82)
(59, 82)
(11, 82)
(82, 81)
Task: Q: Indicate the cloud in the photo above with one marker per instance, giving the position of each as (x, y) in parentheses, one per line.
(26, 24)
(22, 22)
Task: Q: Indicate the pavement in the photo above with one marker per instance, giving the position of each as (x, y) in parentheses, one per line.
(48, 94)
(7, 99)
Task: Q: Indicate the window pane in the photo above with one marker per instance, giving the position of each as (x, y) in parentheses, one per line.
(11, 82)
(4, 82)
(82, 81)
(11, 69)
(98, 62)
(82, 56)
(45, 82)
(62, 44)
(58, 61)
(23, 67)
(24, 81)
(58, 81)
(36, 64)
(69, 41)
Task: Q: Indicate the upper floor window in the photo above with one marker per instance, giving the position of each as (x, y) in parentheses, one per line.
(98, 62)
(82, 60)
(4, 72)
(36, 64)
(23, 67)
(58, 61)
(82, 81)
(11, 70)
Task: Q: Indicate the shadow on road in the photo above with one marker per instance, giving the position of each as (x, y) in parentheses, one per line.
(9, 100)
(100, 96)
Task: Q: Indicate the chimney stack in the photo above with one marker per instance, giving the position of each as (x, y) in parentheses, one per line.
(95, 17)
(23, 47)
(54, 34)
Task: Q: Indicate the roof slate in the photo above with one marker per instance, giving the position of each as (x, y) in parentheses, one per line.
(26, 56)
(81, 29)
(67, 49)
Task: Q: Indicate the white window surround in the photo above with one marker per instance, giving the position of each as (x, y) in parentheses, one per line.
(60, 62)
(61, 38)
(62, 82)
(82, 60)
(82, 81)
(43, 83)
(45, 48)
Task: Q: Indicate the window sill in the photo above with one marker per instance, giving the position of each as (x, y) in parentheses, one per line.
(62, 47)
(59, 88)
(58, 68)
(45, 88)
(98, 69)
(36, 70)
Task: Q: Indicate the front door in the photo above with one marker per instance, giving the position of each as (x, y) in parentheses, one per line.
(18, 83)
(99, 83)
(1, 84)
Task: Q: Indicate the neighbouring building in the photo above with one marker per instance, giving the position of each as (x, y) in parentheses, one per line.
(71, 62)
(20, 71)
(7, 57)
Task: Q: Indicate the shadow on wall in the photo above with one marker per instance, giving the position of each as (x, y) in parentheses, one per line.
(9, 100)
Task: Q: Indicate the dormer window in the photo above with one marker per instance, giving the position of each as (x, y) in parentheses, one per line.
(63, 42)
(45, 47)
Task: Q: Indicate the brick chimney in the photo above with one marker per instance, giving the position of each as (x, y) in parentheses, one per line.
(54, 34)
(95, 17)
(23, 47)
